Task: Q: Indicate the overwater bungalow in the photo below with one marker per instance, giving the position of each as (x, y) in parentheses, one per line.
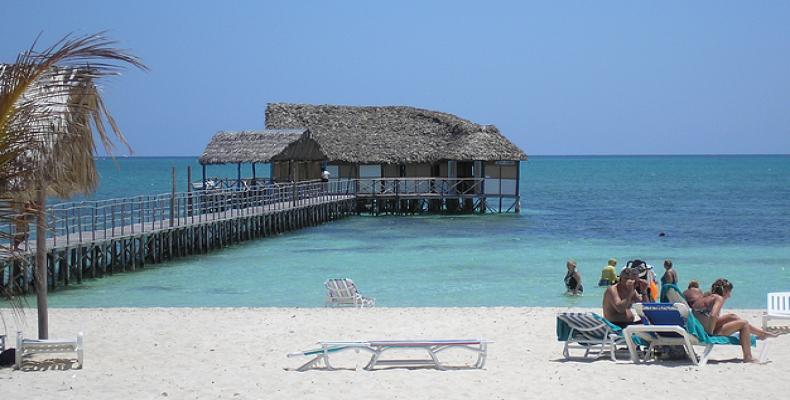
(396, 141)
(390, 150)
(293, 154)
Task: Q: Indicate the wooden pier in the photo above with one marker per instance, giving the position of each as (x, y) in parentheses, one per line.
(91, 239)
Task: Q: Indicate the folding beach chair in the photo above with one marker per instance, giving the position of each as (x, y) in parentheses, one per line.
(343, 292)
(26, 347)
(378, 347)
(588, 331)
(672, 324)
(778, 307)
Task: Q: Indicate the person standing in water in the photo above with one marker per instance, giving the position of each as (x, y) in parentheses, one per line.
(573, 279)
(608, 274)
(670, 275)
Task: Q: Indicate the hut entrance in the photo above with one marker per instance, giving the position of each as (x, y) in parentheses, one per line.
(465, 170)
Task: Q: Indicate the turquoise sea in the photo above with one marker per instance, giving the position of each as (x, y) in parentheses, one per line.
(724, 216)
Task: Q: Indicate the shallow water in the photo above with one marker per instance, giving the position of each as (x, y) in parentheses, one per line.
(724, 216)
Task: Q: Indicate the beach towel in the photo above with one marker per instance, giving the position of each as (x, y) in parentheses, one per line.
(667, 287)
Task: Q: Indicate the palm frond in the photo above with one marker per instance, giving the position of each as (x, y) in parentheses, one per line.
(48, 100)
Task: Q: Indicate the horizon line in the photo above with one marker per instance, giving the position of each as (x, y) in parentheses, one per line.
(528, 155)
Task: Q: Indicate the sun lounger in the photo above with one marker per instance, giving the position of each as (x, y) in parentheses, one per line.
(671, 293)
(588, 331)
(343, 292)
(26, 347)
(670, 325)
(378, 347)
(778, 307)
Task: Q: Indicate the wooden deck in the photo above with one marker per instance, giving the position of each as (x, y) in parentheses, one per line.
(162, 224)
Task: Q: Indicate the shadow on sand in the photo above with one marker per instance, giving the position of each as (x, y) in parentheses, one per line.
(53, 364)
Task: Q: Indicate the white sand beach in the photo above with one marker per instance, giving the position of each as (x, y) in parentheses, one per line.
(240, 353)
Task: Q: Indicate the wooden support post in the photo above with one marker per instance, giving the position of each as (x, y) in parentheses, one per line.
(173, 196)
(189, 191)
(483, 206)
(500, 187)
(518, 192)
(238, 176)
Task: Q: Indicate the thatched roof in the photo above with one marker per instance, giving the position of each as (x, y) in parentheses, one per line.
(261, 146)
(393, 134)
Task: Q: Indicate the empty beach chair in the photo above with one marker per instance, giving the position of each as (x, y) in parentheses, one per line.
(672, 324)
(343, 292)
(778, 307)
(26, 347)
(377, 347)
(588, 331)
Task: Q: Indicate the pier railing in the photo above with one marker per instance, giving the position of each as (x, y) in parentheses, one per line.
(93, 220)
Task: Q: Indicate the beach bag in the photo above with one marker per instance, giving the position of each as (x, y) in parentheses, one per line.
(7, 357)
(652, 290)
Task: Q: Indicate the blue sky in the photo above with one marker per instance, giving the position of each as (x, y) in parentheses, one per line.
(603, 77)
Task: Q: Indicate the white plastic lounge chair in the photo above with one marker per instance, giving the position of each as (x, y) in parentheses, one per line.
(590, 332)
(669, 325)
(778, 307)
(343, 292)
(33, 346)
(377, 347)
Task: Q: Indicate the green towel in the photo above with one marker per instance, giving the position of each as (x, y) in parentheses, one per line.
(665, 288)
(694, 327)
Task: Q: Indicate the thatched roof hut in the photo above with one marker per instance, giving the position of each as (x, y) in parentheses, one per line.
(261, 147)
(393, 134)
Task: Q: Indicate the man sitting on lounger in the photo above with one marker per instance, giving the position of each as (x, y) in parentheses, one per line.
(618, 298)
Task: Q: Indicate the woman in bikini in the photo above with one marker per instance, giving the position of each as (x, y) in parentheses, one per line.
(708, 310)
(573, 279)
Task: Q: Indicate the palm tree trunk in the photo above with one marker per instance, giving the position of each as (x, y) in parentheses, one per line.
(41, 260)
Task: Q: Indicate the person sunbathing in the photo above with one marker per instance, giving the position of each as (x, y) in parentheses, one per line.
(618, 298)
(693, 293)
(708, 310)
